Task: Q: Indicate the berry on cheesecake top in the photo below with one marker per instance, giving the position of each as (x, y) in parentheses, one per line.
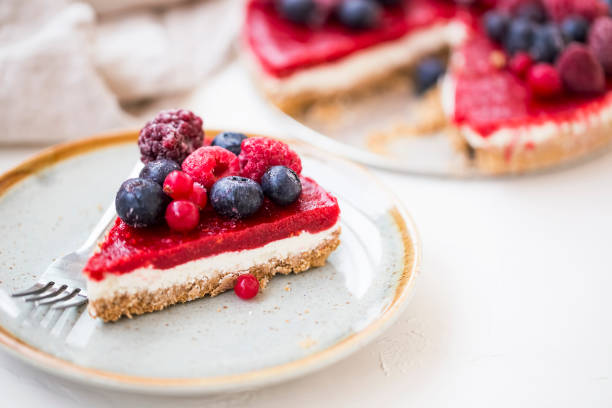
(531, 61)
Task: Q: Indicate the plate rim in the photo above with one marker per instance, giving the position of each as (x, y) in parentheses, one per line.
(248, 380)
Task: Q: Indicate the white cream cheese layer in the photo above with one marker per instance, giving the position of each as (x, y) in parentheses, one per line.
(151, 279)
(529, 134)
(357, 68)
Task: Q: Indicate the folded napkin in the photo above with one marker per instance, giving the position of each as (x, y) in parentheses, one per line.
(65, 70)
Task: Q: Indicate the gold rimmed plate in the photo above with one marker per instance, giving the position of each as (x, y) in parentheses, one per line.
(300, 323)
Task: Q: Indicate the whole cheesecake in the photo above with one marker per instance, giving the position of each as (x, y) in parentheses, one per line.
(206, 243)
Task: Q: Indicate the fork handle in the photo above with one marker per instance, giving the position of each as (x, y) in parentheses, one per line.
(107, 218)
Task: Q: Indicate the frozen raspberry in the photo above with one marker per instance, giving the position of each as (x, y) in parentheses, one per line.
(544, 80)
(247, 286)
(520, 64)
(600, 42)
(559, 10)
(210, 163)
(580, 71)
(170, 135)
(258, 154)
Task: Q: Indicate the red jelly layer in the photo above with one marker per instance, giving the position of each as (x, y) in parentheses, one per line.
(282, 47)
(127, 248)
(488, 98)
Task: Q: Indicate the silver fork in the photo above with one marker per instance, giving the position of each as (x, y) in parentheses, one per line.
(62, 284)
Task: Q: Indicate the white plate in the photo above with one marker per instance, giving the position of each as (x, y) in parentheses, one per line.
(298, 324)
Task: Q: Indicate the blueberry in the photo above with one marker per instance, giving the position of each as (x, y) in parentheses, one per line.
(520, 36)
(141, 202)
(533, 11)
(575, 28)
(547, 43)
(427, 73)
(281, 185)
(359, 14)
(230, 141)
(390, 3)
(236, 197)
(609, 3)
(299, 11)
(496, 25)
(157, 170)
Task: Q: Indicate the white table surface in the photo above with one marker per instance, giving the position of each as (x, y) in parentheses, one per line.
(513, 307)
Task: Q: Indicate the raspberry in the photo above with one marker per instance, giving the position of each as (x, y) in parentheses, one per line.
(182, 215)
(544, 80)
(210, 163)
(178, 185)
(559, 10)
(520, 64)
(580, 71)
(247, 286)
(258, 154)
(600, 42)
(170, 135)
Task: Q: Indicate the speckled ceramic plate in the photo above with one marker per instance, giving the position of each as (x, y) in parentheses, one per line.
(298, 324)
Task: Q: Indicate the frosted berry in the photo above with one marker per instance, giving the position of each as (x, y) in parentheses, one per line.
(580, 71)
(157, 170)
(178, 185)
(575, 28)
(182, 215)
(544, 80)
(198, 196)
(211, 163)
(600, 42)
(299, 11)
(230, 141)
(236, 197)
(140, 202)
(258, 154)
(496, 25)
(359, 14)
(281, 185)
(247, 286)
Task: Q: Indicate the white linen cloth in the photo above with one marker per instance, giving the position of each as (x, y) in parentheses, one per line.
(66, 67)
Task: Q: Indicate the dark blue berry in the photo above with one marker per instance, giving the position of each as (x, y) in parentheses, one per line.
(281, 185)
(141, 202)
(547, 43)
(427, 73)
(496, 25)
(236, 197)
(520, 36)
(299, 11)
(575, 28)
(533, 11)
(157, 170)
(609, 3)
(359, 14)
(390, 3)
(230, 141)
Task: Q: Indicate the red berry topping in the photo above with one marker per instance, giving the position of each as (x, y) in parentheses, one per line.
(520, 64)
(210, 163)
(580, 71)
(170, 135)
(247, 286)
(178, 185)
(198, 196)
(258, 154)
(182, 215)
(600, 42)
(544, 80)
(559, 10)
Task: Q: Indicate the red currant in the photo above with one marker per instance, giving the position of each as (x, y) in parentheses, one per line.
(182, 215)
(178, 185)
(544, 80)
(198, 196)
(247, 286)
(520, 64)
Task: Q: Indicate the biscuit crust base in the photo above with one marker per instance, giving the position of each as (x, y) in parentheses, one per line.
(565, 146)
(132, 304)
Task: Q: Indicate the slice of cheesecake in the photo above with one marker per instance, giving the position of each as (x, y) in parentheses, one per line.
(297, 64)
(140, 270)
